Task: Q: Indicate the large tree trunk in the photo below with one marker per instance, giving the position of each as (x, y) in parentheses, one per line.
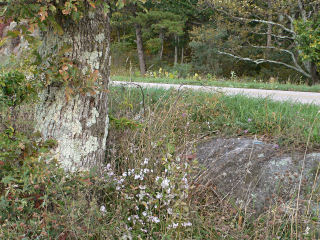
(140, 49)
(79, 124)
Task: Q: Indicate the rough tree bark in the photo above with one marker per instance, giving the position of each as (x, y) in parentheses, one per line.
(140, 49)
(80, 124)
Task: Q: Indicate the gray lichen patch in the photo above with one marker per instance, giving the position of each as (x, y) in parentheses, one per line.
(100, 37)
(71, 124)
(93, 119)
(92, 59)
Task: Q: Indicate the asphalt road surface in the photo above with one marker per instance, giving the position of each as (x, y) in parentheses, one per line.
(277, 95)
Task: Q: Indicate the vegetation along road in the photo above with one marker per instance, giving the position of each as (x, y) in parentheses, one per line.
(293, 96)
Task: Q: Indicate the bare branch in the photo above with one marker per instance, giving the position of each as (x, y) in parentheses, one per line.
(292, 20)
(274, 35)
(259, 21)
(260, 61)
(293, 57)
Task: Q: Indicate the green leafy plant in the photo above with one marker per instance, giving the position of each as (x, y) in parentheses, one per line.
(15, 88)
(309, 39)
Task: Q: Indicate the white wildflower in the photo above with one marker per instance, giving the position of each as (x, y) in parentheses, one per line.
(175, 225)
(165, 183)
(103, 209)
(169, 210)
(155, 219)
(137, 176)
(141, 195)
(146, 161)
(159, 196)
(187, 224)
(306, 232)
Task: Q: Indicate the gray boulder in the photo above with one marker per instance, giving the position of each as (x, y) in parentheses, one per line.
(254, 174)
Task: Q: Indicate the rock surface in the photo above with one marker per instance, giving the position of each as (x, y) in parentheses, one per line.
(255, 174)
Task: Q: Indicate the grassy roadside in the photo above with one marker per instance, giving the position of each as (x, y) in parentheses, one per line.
(283, 123)
(229, 83)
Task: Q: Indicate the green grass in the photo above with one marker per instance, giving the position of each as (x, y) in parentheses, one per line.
(223, 83)
(284, 123)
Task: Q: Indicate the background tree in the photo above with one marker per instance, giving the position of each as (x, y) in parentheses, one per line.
(268, 30)
(164, 27)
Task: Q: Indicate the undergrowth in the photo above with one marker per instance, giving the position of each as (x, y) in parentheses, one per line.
(146, 189)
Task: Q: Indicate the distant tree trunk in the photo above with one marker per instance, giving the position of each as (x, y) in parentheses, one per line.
(315, 76)
(161, 36)
(269, 31)
(79, 124)
(182, 55)
(176, 49)
(140, 49)
(269, 36)
(124, 34)
(118, 34)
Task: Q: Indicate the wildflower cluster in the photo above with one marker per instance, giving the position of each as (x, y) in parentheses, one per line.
(155, 195)
(171, 74)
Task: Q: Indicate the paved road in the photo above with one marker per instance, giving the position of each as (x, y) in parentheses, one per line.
(300, 97)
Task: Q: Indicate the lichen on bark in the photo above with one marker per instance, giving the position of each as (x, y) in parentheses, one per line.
(79, 122)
